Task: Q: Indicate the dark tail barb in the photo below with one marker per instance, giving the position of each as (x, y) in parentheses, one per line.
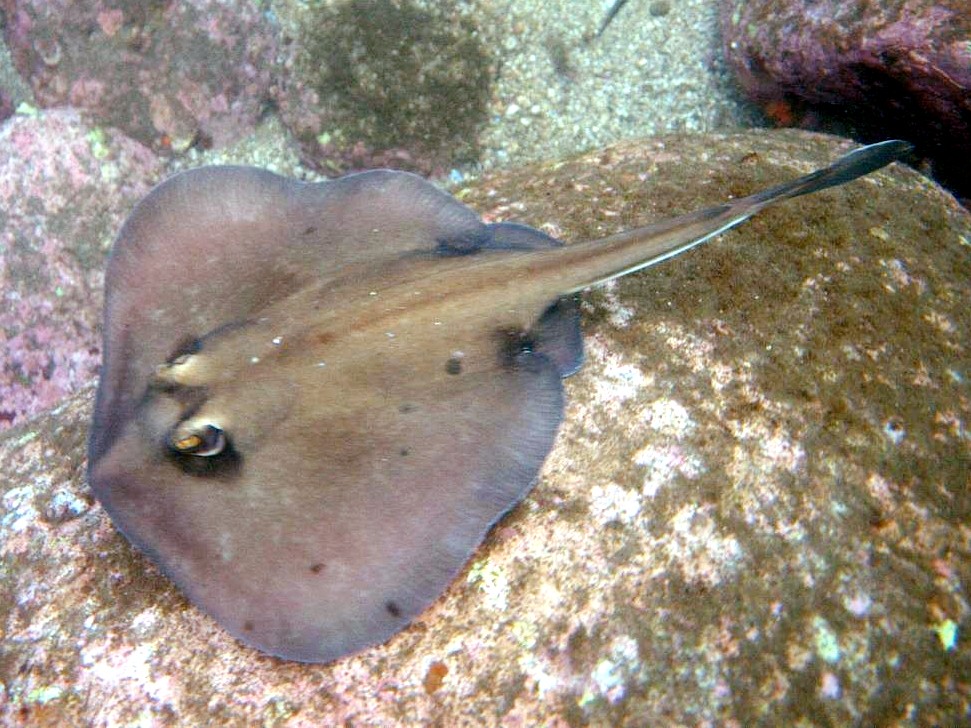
(857, 163)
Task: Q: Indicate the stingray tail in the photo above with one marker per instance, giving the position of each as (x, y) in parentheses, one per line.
(602, 260)
(857, 163)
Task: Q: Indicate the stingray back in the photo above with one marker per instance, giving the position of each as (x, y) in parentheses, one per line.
(372, 490)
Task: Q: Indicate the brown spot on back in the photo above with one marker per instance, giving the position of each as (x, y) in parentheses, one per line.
(435, 676)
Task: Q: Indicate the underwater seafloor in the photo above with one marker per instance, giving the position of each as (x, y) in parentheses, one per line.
(758, 510)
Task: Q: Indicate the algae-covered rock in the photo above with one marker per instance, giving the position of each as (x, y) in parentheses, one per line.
(757, 509)
(399, 83)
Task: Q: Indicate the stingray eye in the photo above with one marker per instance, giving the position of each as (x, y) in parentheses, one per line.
(200, 439)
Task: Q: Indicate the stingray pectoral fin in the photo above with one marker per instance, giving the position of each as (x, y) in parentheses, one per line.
(557, 335)
(514, 236)
(351, 517)
(215, 246)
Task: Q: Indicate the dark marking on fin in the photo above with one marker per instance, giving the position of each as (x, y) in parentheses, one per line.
(393, 609)
(187, 346)
(514, 236)
(512, 344)
(453, 365)
(468, 242)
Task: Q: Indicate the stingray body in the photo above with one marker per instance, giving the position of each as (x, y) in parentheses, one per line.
(317, 398)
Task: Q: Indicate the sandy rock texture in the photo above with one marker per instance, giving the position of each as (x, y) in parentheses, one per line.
(757, 510)
(387, 83)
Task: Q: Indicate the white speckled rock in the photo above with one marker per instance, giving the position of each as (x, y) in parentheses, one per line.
(757, 509)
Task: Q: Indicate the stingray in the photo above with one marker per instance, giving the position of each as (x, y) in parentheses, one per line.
(317, 398)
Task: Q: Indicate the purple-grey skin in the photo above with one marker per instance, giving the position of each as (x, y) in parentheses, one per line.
(317, 399)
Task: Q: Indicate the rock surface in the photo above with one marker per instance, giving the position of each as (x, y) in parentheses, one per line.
(6, 105)
(169, 74)
(388, 83)
(474, 81)
(900, 68)
(65, 188)
(757, 509)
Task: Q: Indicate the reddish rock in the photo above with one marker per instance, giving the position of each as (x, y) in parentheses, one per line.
(900, 68)
(756, 512)
(65, 187)
(169, 74)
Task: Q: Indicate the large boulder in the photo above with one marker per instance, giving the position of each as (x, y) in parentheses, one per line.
(899, 67)
(756, 511)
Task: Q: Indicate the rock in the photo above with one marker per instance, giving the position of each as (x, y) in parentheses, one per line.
(13, 90)
(891, 69)
(388, 83)
(65, 187)
(6, 105)
(171, 75)
(756, 511)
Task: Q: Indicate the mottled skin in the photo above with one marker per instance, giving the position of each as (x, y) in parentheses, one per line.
(317, 399)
